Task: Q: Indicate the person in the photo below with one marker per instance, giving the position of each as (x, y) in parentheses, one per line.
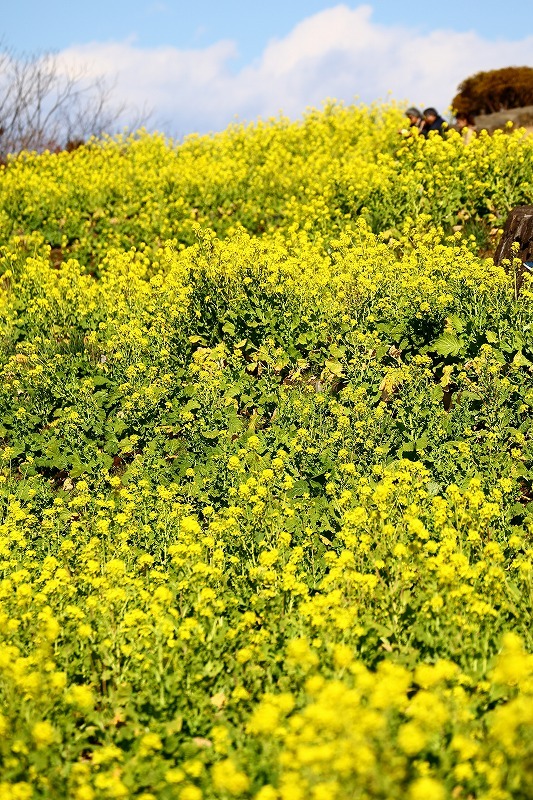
(415, 120)
(466, 125)
(433, 122)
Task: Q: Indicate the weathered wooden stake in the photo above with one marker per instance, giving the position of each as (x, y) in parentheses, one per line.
(518, 228)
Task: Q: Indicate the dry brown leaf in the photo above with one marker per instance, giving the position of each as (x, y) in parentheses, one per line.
(219, 700)
(199, 741)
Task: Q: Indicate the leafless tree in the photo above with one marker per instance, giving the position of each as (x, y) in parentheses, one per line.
(44, 105)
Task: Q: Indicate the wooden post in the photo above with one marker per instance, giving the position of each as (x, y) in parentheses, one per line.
(518, 228)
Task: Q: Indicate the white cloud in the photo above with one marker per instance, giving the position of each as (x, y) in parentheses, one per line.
(339, 52)
(157, 8)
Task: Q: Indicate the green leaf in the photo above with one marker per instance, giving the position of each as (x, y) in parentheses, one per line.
(448, 345)
(229, 328)
(336, 351)
(520, 360)
(334, 366)
(100, 380)
(300, 488)
(456, 322)
(211, 434)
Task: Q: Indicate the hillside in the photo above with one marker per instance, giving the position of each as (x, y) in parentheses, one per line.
(267, 443)
(520, 117)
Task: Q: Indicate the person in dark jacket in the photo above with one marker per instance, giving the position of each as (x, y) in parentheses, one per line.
(433, 122)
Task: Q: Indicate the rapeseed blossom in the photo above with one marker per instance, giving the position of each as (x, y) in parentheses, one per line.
(266, 458)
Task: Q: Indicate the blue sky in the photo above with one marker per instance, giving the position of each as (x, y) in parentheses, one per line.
(200, 64)
(56, 24)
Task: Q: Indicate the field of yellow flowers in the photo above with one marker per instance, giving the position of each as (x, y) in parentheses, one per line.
(266, 488)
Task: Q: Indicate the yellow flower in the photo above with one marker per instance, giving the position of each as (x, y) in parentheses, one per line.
(115, 566)
(107, 753)
(84, 631)
(190, 525)
(15, 791)
(84, 792)
(300, 653)
(43, 734)
(514, 665)
(411, 738)
(244, 654)
(111, 784)
(342, 655)
(264, 719)
(227, 778)
(174, 775)
(149, 743)
(190, 792)
(426, 789)
(80, 696)
(267, 793)
(194, 767)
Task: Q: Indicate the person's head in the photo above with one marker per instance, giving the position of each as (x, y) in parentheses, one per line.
(430, 114)
(465, 120)
(413, 115)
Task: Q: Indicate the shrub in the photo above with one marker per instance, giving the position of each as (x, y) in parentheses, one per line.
(495, 90)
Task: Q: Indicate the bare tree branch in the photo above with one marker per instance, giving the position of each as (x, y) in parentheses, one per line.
(45, 106)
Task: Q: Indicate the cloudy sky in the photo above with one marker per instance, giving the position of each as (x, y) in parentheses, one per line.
(204, 63)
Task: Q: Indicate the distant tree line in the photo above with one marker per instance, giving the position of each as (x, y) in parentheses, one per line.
(45, 106)
(495, 90)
